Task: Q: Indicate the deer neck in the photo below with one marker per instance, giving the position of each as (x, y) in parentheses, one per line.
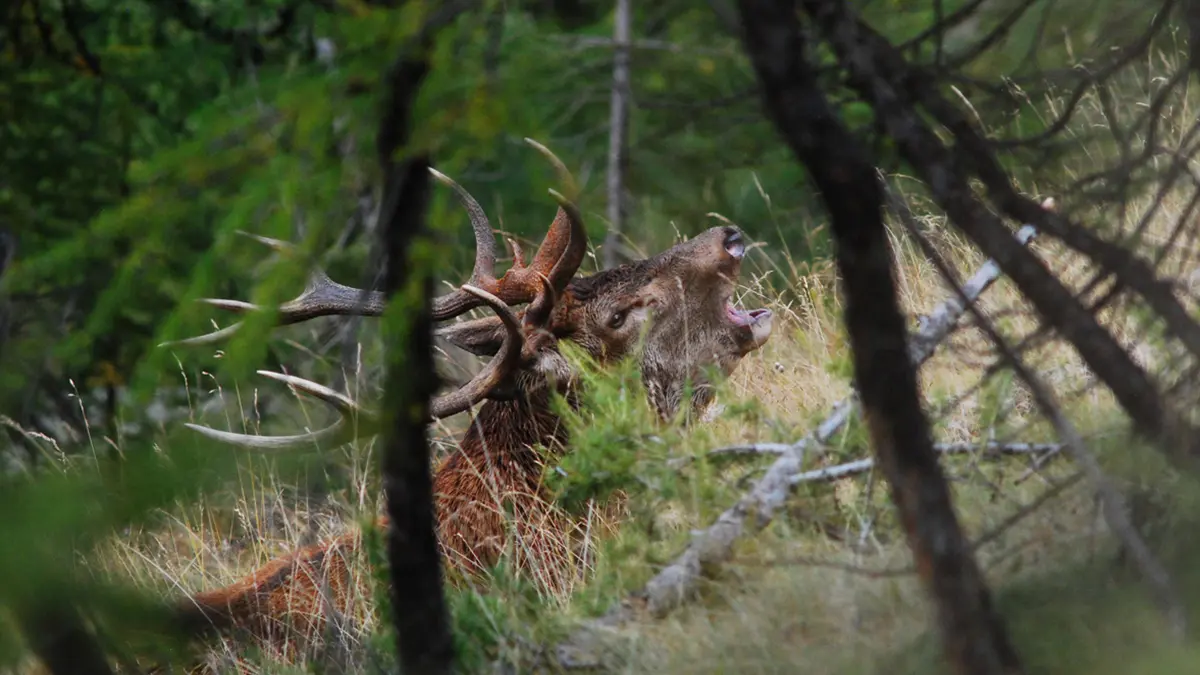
(523, 432)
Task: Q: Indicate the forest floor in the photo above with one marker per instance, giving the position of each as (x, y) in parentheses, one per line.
(826, 588)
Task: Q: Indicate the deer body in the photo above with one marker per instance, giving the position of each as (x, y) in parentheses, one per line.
(673, 312)
(472, 487)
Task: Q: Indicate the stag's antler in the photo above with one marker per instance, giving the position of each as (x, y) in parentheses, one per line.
(539, 283)
(356, 422)
(321, 297)
(558, 258)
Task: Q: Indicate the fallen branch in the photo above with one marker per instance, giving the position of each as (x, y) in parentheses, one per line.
(804, 561)
(760, 449)
(677, 582)
(986, 449)
(751, 450)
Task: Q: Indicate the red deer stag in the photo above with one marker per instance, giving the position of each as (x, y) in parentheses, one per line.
(674, 311)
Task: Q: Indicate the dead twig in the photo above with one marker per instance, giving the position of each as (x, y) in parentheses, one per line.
(1116, 513)
(890, 572)
(1020, 514)
(992, 448)
(804, 561)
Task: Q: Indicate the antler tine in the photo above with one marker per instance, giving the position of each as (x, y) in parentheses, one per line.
(343, 431)
(565, 245)
(338, 433)
(576, 248)
(484, 273)
(564, 174)
(276, 244)
(339, 401)
(559, 256)
(207, 338)
(483, 276)
(538, 313)
(506, 360)
(322, 296)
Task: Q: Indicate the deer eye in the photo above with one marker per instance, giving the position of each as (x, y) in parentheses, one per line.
(617, 319)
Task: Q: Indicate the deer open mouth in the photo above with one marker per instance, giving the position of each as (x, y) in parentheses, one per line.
(742, 317)
(755, 324)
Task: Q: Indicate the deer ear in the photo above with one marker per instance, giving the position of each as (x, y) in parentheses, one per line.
(481, 337)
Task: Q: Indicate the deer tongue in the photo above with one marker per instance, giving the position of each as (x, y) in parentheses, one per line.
(755, 322)
(741, 317)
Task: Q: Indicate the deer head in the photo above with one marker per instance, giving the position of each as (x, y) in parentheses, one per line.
(674, 312)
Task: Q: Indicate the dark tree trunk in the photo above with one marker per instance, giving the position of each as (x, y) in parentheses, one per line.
(974, 638)
(58, 636)
(419, 610)
(55, 631)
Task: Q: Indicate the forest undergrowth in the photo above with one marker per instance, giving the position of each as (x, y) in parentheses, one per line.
(826, 588)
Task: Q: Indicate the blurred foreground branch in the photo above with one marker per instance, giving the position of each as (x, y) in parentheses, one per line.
(418, 608)
(974, 638)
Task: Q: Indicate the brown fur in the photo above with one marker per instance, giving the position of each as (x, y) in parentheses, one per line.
(676, 301)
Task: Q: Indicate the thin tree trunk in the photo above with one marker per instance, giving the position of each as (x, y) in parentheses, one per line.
(618, 134)
(974, 638)
(423, 635)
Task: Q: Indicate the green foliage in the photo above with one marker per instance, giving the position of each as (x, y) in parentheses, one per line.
(620, 448)
(617, 441)
(77, 505)
(494, 625)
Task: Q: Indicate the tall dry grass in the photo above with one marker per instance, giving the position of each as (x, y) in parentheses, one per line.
(793, 380)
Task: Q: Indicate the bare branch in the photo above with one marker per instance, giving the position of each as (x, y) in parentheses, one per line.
(1123, 57)
(990, 449)
(876, 70)
(998, 33)
(1116, 513)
